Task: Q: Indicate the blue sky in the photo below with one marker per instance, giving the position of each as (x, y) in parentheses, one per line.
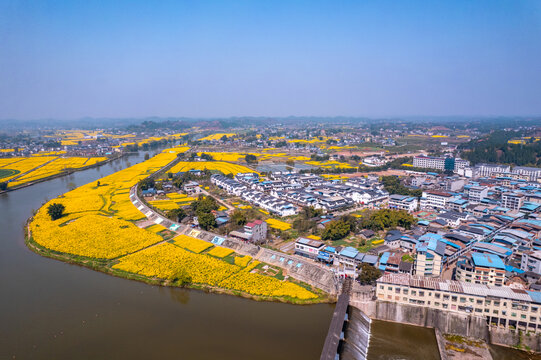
(74, 59)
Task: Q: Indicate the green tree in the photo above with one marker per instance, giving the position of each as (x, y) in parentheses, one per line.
(176, 214)
(147, 156)
(206, 157)
(393, 185)
(368, 274)
(181, 277)
(250, 159)
(56, 211)
(238, 218)
(336, 230)
(146, 184)
(206, 221)
(204, 204)
(3, 185)
(303, 225)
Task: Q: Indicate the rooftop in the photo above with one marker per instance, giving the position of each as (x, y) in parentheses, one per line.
(488, 260)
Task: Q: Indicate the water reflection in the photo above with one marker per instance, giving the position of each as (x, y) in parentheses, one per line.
(177, 294)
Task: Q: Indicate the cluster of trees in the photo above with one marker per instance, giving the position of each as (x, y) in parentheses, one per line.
(494, 148)
(528, 154)
(147, 146)
(238, 218)
(203, 156)
(386, 219)
(147, 183)
(176, 214)
(336, 230)
(179, 180)
(316, 157)
(368, 274)
(393, 185)
(3, 185)
(306, 221)
(202, 208)
(250, 159)
(374, 220)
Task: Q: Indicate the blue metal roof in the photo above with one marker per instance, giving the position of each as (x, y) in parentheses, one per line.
(513, 269)
(488, 260)
(528, 206)
(384, 257)
(451, 244)
(430, 236)
(370, 259)
(531, 221)
(535, 295)
(349, 252)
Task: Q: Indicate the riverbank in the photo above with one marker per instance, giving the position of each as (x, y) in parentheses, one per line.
(61, 174)
(105, 266)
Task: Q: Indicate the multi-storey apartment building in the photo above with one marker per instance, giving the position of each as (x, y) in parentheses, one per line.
(488, 170)
(402, 202)
(499, 305)
(477, 268)
(477, 193)
(435, 199)
(308, 247)
(257, 230)
(512, 201)
(429, 257)
(439, 163)
(533, 174)
(531, 261)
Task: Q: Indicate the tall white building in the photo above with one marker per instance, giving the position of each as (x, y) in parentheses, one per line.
(487, 170)
(439, 163)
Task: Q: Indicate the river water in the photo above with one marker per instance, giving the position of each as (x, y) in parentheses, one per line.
(53, 310)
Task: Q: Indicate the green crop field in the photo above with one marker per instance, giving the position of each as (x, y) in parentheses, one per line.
(7, 172)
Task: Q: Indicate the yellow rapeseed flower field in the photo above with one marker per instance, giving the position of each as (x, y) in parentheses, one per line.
(55, 167)
(109, 204)
(220, 252)
(277, 224)
(94, 236)
(224, 167)
(242, 261)
(218, 136)
(257, 284)
(166, 260)
(191, 243)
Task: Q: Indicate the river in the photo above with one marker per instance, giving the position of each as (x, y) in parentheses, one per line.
(53, 310)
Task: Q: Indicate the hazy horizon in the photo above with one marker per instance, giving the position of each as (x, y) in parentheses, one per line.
(372, 59)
